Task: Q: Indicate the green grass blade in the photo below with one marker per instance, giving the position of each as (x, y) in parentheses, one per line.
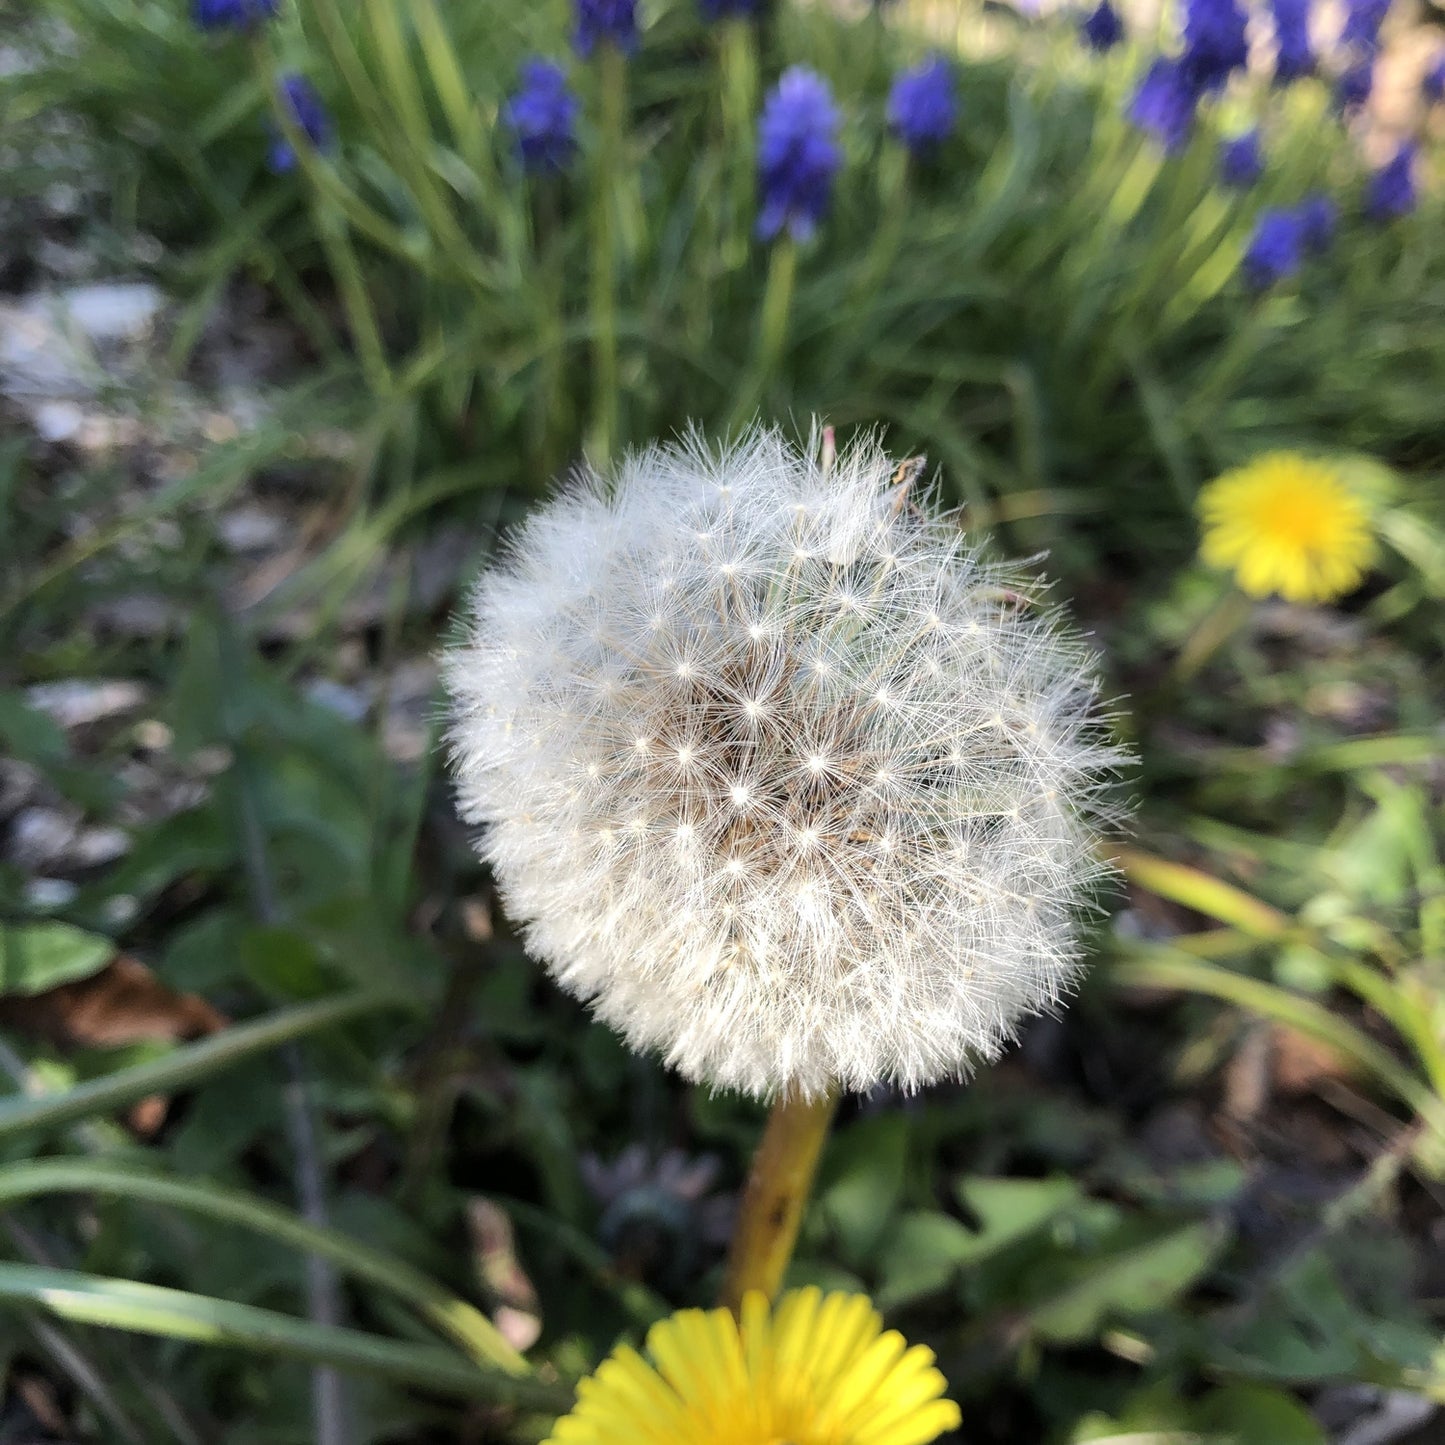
(187, 1065)
(454, 1317)
(123, 1304)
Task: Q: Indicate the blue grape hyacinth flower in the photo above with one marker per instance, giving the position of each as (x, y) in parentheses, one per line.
(722, 9)
(232, 14)
(304, 106)
(1241, 162)
(1391, 191)
(1363, 19)
(798, 154)
(923, 105)
(1318, 217)
(1214, 42)
(1276, 250)
(542, 116)
(611, 21)
(1432, 83)
(1102, 28)
(1165, 102)
(1293, 57)
(1353, 86)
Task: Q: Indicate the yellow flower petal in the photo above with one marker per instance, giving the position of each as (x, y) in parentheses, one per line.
(1287, 525)
(818, 1370)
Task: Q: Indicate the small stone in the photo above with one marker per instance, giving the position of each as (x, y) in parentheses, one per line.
(57, 421)
(78, 701)
(112, 311)
(47, 894)
(251, 529)
(39, 835)
(95, 847)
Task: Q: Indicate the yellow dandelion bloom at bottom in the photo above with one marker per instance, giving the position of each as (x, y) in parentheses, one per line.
(1287, 524)
(820, 1370)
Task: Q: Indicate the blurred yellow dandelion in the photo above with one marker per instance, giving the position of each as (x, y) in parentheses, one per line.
(818, 1370)
(1287, 524)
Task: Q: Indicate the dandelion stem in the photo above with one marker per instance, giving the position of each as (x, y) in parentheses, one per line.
(778, 1186)
(607, 179)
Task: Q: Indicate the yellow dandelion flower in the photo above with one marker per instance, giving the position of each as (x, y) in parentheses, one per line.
(820, 1370)
(1289, 525)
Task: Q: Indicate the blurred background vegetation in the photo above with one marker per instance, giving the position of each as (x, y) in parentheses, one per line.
(258, 431)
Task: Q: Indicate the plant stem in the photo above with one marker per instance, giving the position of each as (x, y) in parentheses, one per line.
(608, 178)
(1214, 629)
(738, 59)
(772, 328)
(778, 1185)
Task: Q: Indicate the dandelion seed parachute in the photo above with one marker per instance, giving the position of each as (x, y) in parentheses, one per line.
(776, 772)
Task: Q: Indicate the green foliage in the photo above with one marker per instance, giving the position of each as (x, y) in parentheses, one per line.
(1048, 308)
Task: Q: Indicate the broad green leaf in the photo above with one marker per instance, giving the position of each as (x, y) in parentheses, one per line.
(1134, 1279)
(39, 956)
(862, 1175)
(1251, 1414)
(1009, 1209)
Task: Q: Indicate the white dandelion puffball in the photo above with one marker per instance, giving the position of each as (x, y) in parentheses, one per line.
(776, 772)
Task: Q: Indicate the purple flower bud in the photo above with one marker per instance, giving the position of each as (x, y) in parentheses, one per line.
(542, 115)
(1276, 249)
(1391, 191)
(232, 14)
(1293, 58)
(610, 21)
(304, 106)
(1432, 83)
(1353, 86)
(1214, 42)
(923, 105)
(1363, 19)
(1102, 28)
(1240, 161)
(798, 154)
(1318, 217)
(1164, 104)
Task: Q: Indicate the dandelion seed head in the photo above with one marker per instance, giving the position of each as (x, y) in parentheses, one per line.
(841, 851)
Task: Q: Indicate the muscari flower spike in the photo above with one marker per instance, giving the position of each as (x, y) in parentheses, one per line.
(542, 116)
(723, 9)
(816, 1369)
(1165, 103)
(1289, 525)
(611, 22)
(232, 14)
(1363, 21)
(1391, 193)
(777, 773)
(1432, 82)
(1318, 217)
(1294, 58)
(1214, 42)
(1276, 249)
(304, 106)
(923, 105)
(798, 155)
(1353, 86)
(1102, 28)
(1241, 162)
